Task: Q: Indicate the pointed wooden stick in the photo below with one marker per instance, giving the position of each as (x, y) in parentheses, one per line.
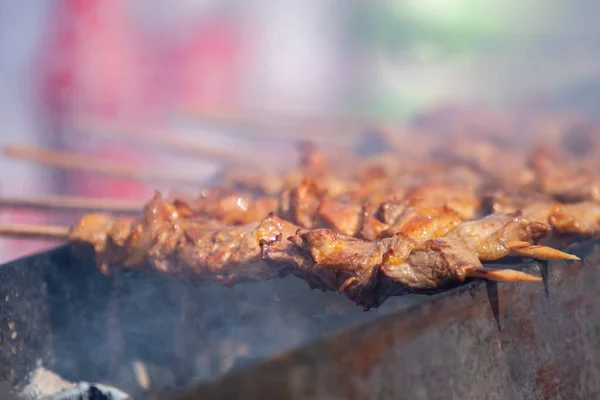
(503, 275)
(73, 203)
(170, 141)
(67, 160)
(538, 252)
(27, 231)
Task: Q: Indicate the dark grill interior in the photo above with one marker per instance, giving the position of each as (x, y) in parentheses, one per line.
(91, 328)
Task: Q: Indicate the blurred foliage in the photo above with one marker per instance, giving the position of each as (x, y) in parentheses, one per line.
(388, 107)
(441, 28)
(426, 31)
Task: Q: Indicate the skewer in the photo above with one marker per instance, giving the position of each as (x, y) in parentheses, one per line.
(256, 251)
(72, 203)
(164, 140)
(287, 128)
(502, 275)
(30, 231)
(540, 252)
(61, 233)
(67, 160)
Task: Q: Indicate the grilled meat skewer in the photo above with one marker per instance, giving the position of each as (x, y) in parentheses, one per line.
(170, 240)
(369, 272)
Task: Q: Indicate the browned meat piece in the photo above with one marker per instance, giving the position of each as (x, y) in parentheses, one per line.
(464, 202)
(578, 218)
(581, 218)
(369, 272)
(371, 227)
(230, 207)
(440, 263)
(309, 208)
(301, 204)
(500, 235)
(332, 262)
(375, 183)
(305, 205)
(512, 201)
(559, 176)
(105, 234)
(230, 255)
(536, 207)
(166, 239)
(424, 223)
(344, 218)
(390, 211)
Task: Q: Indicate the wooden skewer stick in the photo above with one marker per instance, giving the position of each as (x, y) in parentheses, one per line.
(164, 140)
(251, 120)
(333, 133)
(27, 231)
(72, 203)
(67, 160)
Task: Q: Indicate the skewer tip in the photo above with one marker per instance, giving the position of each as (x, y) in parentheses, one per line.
(538, 252)
(502, 275)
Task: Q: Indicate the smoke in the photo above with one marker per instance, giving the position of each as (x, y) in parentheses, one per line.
(178, 334)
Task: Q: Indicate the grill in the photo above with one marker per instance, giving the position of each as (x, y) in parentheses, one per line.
(153, 337)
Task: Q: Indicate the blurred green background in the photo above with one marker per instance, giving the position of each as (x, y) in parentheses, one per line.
(415, 54)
